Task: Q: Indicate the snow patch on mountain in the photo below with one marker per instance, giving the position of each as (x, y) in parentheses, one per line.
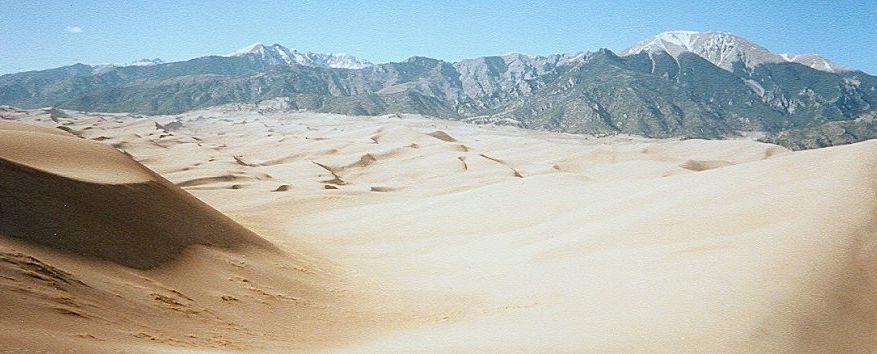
(105, 68)
(815, 61)
(725, 50)
(277, 54)
(146, 62)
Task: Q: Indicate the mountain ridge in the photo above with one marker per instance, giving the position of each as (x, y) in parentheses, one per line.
(277, 54)
(690, 91)
(724, 49)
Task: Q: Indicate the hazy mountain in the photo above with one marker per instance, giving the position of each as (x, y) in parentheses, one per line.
(686, 84)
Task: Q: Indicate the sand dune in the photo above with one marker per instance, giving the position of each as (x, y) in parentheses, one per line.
(91, 199)
(181, 274)
(71, 157)
(399, 233)
(24, 127)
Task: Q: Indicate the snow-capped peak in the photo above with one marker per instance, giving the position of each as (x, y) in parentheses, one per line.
(724, 50)
(146, 62)
(277, 54)
(680, 38)
(105, 68)
(252, 48)
(257, 48)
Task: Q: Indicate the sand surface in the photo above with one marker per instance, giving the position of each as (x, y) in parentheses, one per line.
(320, 232)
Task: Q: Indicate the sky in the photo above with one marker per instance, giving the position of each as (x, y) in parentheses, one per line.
(45, 34)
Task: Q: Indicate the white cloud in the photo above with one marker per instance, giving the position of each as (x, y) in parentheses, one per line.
(73, 29)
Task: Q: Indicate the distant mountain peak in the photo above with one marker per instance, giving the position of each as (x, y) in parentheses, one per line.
(146, 62)
(277, 54)
(252, 48)
(105, 68)
(724, 50)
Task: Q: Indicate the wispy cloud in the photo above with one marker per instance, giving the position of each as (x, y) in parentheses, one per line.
(73, 29)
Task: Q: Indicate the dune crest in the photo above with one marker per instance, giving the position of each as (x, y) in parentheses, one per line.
(71, 157)
(24, 127)
(90, 199)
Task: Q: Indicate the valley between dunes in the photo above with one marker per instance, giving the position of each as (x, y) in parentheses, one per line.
(401, 233)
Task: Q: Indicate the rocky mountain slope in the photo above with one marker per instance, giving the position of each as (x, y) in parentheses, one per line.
(706, 85)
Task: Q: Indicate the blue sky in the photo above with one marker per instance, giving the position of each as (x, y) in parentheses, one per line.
(39, 35)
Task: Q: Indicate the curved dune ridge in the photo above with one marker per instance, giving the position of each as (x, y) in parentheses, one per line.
(71, 157)
(91, 199)
(25, 127)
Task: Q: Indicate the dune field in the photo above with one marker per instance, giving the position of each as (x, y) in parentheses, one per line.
(239, 229)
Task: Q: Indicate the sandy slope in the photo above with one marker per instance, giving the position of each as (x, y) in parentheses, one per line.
(402, 233)
(99, 253)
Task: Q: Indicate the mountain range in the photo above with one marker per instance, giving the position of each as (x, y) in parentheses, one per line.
(674, 84)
